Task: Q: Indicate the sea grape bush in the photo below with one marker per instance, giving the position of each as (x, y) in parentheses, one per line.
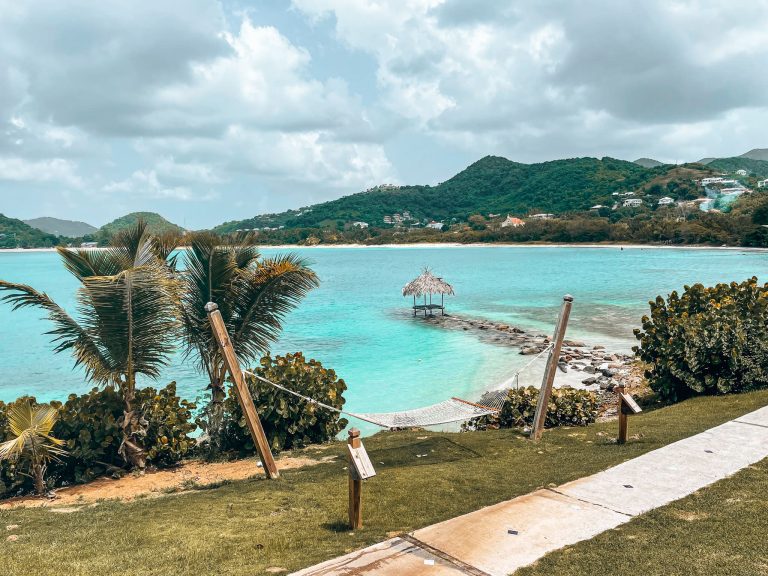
(709, 340)
(566, 407)
(88, 423)
(289, 422)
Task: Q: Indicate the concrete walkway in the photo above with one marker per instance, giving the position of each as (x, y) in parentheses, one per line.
(499, 539)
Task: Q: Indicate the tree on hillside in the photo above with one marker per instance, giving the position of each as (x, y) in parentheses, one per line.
(127, 301)
(253, 295)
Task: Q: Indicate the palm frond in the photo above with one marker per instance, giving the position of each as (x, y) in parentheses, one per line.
(263, 297)
(67, 333)
(134, 316)
(32, 428)
(94, 261)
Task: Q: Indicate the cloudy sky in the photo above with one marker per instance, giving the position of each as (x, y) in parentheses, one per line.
(209, 111)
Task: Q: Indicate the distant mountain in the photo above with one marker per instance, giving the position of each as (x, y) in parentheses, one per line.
(648, 162)
(756, 154)
(490, 185)
(706, 161)
(70, 228)
(17, 234)
(156, 223)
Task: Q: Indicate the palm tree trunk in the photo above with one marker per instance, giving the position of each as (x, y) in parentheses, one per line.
(133, 428)
(216, 409)
(38, 474)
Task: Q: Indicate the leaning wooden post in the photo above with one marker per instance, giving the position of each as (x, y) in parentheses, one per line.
(549, 374)
(622, 439)
(355, 485)
(241, 390)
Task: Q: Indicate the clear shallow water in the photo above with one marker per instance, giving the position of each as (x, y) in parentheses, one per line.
(358, 323)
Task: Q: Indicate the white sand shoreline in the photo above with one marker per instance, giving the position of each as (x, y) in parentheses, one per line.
(432, 245)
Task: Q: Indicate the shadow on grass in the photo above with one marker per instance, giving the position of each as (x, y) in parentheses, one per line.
(432, 450)
(338, 526)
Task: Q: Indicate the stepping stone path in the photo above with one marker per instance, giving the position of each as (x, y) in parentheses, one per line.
(499, 539)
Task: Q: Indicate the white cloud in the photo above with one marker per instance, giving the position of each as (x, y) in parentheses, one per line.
(57, 171)
(147, 185)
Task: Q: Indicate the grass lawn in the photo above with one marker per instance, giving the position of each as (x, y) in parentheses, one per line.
(720, 530)
(249, 526)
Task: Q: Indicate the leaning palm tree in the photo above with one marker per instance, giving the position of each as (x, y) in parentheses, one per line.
(32, 442)
(253, 295)
(127, 305)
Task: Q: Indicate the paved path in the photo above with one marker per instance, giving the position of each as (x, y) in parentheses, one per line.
(499, 539)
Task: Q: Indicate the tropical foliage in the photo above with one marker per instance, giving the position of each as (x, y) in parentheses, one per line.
(709, 340)
(253, 295)
(128, 299)
(289, 422)
(31, 445)
(567, 407)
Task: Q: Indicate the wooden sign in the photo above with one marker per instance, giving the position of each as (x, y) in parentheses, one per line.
(628, 405)
(361, 465)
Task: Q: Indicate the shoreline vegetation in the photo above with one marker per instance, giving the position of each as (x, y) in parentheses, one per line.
(632, 246)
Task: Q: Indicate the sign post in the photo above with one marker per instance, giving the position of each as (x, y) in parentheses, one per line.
(627, 406)
(360, 468)
(549, 374)
(241, 390)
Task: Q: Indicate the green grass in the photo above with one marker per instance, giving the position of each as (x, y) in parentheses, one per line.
(720, 530)
(246, 527)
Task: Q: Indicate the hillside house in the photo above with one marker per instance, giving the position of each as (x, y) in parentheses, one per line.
(360, 224)
(89, 244)
(632, 203)
(763, 183)
(511, 222)
(666, 201)
(387, 219)
(711, 180)
(542, 216)
(741, 172)
(435, 225)
(596, 207)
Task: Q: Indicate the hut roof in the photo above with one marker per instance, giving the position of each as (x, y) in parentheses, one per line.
(427, 283)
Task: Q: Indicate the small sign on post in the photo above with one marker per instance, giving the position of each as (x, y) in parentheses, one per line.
(627, 406)
(360, 468)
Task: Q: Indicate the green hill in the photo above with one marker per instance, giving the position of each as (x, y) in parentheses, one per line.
(156, 223)
(69, 228)
(756, 154)
(16, 234)
(648, 162)
(490, 185)
(758, 168)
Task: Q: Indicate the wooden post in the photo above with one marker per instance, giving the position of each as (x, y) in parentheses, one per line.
(622, 439)
(549, 374)
(241, 390)
(355, 486)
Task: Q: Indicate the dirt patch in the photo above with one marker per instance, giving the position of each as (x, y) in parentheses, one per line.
(690, 516)
(189, 476)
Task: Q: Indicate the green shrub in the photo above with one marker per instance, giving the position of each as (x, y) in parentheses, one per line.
(89, 425)
(567, 407)
(707, 341)
(289, 422)
(11, 479)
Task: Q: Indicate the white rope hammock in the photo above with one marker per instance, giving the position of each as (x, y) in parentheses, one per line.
(445, 412)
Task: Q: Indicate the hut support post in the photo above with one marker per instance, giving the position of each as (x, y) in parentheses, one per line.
(549, 374)
(241, 390)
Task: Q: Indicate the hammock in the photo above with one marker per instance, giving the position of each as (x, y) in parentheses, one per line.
(445, 412)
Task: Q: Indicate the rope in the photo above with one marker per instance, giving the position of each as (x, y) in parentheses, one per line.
(453, 410)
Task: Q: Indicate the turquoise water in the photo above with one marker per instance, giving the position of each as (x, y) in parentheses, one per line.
(358, 323)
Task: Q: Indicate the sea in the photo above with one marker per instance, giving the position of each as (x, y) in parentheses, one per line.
(358, 323)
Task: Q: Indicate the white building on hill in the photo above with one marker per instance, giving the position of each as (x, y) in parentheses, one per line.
(741, 172)
(632, 202)
(763, 183)
(360, 224)
(666, 201)
(512, 222)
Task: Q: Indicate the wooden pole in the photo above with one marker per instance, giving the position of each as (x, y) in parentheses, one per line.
(549, 374)
(622, 439)
(241, 390)
(355, 486)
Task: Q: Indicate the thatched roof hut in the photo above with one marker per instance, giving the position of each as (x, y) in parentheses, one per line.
(425, 285)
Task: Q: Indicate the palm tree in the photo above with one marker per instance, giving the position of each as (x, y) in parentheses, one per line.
(127, 304)
(253, 295)
(32, 441)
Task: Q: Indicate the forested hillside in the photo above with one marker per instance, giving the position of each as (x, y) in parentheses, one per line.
(490, 185)
(16, 234)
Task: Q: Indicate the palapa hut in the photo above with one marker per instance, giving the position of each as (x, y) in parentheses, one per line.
(425, 286)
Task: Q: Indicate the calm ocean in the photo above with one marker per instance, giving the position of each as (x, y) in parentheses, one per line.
(358, 323)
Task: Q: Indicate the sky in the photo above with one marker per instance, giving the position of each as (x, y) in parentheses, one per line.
(209, 111)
